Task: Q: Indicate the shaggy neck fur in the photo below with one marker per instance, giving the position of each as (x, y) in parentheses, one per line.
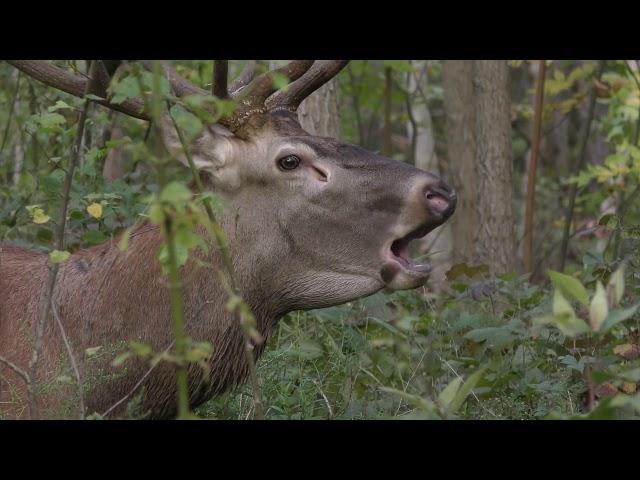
(107, 298)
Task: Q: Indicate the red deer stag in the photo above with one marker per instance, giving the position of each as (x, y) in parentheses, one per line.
(312, 222)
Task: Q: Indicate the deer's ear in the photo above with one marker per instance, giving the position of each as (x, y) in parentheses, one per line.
(211, 150)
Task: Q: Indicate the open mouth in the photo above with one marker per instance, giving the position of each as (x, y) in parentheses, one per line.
(399, 252)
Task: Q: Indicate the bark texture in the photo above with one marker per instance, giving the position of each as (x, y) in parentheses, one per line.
(318, 113)
(438, 242)
(457, 79)
(495, 242)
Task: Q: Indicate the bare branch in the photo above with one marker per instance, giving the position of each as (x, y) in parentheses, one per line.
(251, 93)
(61, 79)
(72, 358)
(138, 383)
(317, 75)
(22, 373)
(220, 78)
(568, 218)
(47, 300)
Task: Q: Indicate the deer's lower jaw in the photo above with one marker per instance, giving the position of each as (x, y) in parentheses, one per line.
(399, 270)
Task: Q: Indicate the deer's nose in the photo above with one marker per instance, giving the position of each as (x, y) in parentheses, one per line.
(440, 199)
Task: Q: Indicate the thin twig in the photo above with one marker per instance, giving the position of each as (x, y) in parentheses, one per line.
(568, 219)
(224, 249)
(72, 358)
(533, 164)
(137, 385)
(22, 373)
(326, 400)
(11, 109)
(386, 134)
(53, 272)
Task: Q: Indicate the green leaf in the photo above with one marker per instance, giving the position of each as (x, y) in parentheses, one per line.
(58, 256)
(419, 402)
(568, 324)
(616, 283)
(599, 308)
(91, 96)
(126, 88)
(156, 214)
(91, 351)
(496, 337)
(570, 286)
(51, 121)
(141, 349)
(59, 105)
(617, 316)
(448, 394)
(560, 304)
(120, 359)
(187, 122)
(94, 237)
(464, 391)
(280, 81)
(53, 182)
(175, 193)
(123, 243)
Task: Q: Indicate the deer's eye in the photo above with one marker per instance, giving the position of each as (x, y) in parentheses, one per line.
(290, 162)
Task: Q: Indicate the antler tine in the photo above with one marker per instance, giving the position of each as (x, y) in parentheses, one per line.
(320, 73)
(252, 98)
(59, 78)
(247, 74)
(263, 86)
(220, 78)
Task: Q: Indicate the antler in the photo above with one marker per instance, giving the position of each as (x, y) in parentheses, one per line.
(254, 95)
(247, 74)
(320, 73)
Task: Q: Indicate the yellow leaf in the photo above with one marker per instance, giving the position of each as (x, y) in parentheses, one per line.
(58, 256)
(629, 388)
(38, 216)
(95, 210)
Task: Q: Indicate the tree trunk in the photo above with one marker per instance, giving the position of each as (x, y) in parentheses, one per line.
(457, 80)
(495, 242)
(18, 161)
(386, 129)
(439, 241)
(318, 113)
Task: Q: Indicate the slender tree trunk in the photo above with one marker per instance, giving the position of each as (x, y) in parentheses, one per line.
(437, 242)
(18, 162)
(112, 169)
(386, 133)
(495, 243)
(318, 113)
(457, 80)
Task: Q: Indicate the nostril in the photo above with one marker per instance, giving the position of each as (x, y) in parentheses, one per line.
(441, 199)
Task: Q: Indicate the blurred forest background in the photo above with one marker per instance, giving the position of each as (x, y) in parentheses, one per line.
(532, 309)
